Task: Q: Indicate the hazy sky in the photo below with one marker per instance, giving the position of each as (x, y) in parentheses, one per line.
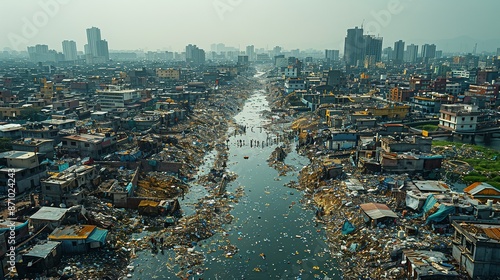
(320, 24)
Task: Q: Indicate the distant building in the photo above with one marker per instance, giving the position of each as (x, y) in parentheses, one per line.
(195, 55)
(114, 97)
(399, 51)
(354, 47)
(428, 51)
(169, 73)
(250, 51)
(332, 55)
(89, 145)
(69, 50)
(96, 49)
(411, 53)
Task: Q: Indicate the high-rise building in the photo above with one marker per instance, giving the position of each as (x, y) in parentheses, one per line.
(373, 48)
(41, 53)
(354, 47)
(250, 51)
(96, 49)
(498, 51)
(412, 53)
(69, 50)
(399, 51)
(332, 55)
(387, 54)
(195, 55)
(428, 51)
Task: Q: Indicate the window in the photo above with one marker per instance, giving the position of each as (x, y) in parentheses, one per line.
(463, 119)
(65, 142)
(471, 118)
(87, 145)
(73, 243)
(47, 188)
(73, 143)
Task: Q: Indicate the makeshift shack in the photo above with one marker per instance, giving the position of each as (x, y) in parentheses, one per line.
(52, 217)
(426, 265)
(41, 258)
(375, 213)
(77, 239)
(148, 207)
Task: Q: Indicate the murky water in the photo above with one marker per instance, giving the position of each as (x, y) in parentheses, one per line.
(276, 235)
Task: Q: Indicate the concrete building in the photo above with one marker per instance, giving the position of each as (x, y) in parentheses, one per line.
(114, 98)
(89, 145)
(293, 84)
(96, 50)
(51, 217)
(42, 146)
(397, 144)
(428, 51)
(354, 47)
(476, 247)
(401, 94)
(68, 186)
(411, 53)
(399, 51)
(69, 50)
(458, 117)
(26, 168)
(169, 73)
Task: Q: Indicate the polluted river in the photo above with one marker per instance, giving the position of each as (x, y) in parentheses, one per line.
(274, 233)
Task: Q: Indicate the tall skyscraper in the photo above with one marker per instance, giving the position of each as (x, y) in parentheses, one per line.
(354, 47)
(332, 55)
(195, 55)
(498, 51)
(412, 53)
(250, 51)
(428, 51)
(399, 51)
(96, 49)
(373, 48)
(69, 50)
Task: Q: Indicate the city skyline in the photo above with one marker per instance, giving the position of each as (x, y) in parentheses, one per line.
(319, 25)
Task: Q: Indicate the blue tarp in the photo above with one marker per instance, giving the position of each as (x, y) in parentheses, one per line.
(98, 235)
(441, 214)
(129, 188)
(16, 228)
(429, 203)
(347, 228)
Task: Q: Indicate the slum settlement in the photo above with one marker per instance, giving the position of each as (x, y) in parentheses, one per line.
(101, 160)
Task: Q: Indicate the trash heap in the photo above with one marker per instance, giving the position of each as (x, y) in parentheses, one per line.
(161, 186)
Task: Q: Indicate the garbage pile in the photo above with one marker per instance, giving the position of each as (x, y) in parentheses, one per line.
(161, 186)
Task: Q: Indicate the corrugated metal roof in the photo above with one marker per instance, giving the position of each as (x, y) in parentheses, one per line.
(72, 232)
(42, 250)
(377, 211)
(493, 233)
(49, 214)
(479, 187)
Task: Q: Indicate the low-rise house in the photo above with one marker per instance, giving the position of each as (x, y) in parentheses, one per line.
(89, 145)
(51, 217)
(40, 258)
(68, 186)
(11, 130)
(483, 192)
(400, 144)
(42, 146)
(476, 247)
(26, 167)
(76, 239)
(427, 265)
(375, 213)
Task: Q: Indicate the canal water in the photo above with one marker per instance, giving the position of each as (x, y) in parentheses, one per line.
(276, 235)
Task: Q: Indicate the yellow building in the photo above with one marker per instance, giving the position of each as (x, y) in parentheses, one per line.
(170, 73)
(390, 112)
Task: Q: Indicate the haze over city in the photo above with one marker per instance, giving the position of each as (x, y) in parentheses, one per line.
(454, 26)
